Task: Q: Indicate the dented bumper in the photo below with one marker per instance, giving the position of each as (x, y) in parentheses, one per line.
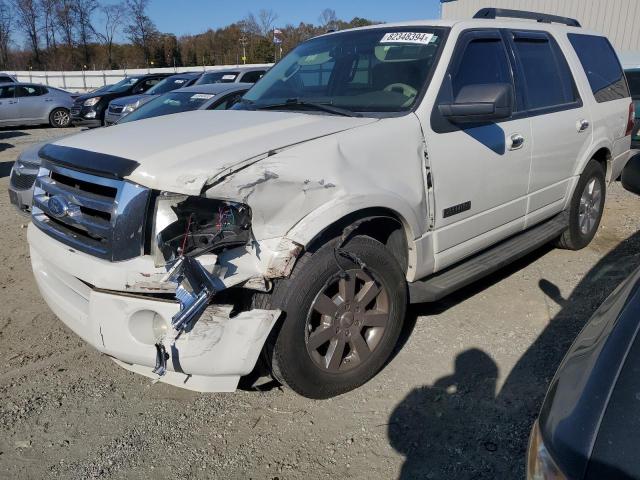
(211, 355)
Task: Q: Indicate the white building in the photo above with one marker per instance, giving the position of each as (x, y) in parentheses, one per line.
(618, 19)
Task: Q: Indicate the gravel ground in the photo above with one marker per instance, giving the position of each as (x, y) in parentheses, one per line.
(457, 401)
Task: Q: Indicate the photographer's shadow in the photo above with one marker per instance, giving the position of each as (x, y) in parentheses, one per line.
(442, 427)
(462, 427)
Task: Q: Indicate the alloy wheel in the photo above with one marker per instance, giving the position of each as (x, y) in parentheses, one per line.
(590, 205)
(347, 321)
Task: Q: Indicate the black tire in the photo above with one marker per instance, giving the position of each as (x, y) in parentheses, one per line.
(575, 237)
(287, 349)
(60, 118)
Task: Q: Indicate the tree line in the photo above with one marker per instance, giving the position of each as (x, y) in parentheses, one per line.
(82, 34)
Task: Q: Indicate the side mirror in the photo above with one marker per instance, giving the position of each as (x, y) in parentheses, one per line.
(631, 175)
(480, 103)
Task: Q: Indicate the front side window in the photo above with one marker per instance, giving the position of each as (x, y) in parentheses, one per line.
(547, 81)
(376, 70)
(484, 61)
(7, 92)
(601, 65)
(29, 91)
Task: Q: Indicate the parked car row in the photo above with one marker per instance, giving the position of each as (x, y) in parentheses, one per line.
(168, 95)
(23, 103)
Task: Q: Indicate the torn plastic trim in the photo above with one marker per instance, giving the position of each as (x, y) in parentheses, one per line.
(196, 288)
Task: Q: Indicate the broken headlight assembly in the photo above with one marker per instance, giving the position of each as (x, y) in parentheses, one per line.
(193, 226)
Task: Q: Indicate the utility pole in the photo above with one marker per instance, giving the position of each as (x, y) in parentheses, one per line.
(243, 42)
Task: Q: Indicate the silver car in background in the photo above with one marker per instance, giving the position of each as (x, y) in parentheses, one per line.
(31, 104)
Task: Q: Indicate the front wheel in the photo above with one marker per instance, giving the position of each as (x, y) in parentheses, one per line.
(60, 118)
(343, 315)
(586, 209)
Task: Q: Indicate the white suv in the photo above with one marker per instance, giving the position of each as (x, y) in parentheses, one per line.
(368, 169)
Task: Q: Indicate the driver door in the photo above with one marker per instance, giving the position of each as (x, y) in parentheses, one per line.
(480, 173)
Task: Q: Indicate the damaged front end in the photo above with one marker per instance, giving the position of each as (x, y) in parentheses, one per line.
(187, 229)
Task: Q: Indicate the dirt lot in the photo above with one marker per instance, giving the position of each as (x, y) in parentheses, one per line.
(457, 401)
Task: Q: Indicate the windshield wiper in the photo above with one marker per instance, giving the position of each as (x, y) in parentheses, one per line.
(296, 102)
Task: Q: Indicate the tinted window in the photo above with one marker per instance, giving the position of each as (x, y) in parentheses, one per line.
(252, 77)
(29, 91)
(6, 79)
(633, 79)
(547, 79)
(601, 65)
(484, 61)
(145, 85)
(7, 92)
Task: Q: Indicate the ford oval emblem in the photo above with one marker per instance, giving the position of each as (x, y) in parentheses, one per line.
(58, 206)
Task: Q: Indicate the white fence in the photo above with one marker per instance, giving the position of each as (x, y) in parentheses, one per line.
(87, 80)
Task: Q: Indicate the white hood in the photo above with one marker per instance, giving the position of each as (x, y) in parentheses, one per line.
(182, 152)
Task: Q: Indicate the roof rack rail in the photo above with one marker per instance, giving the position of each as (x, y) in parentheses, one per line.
(492, 13)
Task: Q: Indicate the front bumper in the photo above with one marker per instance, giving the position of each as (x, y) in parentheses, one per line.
(111, 118)
(86, 116)
(210, 357)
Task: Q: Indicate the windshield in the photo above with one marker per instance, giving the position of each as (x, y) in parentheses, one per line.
(167, 85)
(377, 70)
(167, 104)
(633, 77)
(217, 77)
(122, 85)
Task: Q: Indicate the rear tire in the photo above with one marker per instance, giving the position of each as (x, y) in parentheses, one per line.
(586, 209)
(60, 118)
(338, 331)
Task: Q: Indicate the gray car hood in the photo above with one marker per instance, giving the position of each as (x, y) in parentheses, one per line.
(182, 153)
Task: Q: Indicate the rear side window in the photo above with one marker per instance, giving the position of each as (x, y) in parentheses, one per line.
(547, 78)
(601, 65)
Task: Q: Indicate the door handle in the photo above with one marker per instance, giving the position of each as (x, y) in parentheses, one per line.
(516, 141)
(582, 125)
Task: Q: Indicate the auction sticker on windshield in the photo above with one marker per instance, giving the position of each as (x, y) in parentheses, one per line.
(408, 37)
(202, 96)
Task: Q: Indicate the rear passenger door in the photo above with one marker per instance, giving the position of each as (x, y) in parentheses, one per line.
(611, 94)
(560, 123)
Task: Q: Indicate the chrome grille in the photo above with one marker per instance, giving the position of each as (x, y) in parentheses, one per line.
(22, 181)
(101, 216)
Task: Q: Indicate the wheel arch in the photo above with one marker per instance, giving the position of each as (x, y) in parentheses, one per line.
(377, 222)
